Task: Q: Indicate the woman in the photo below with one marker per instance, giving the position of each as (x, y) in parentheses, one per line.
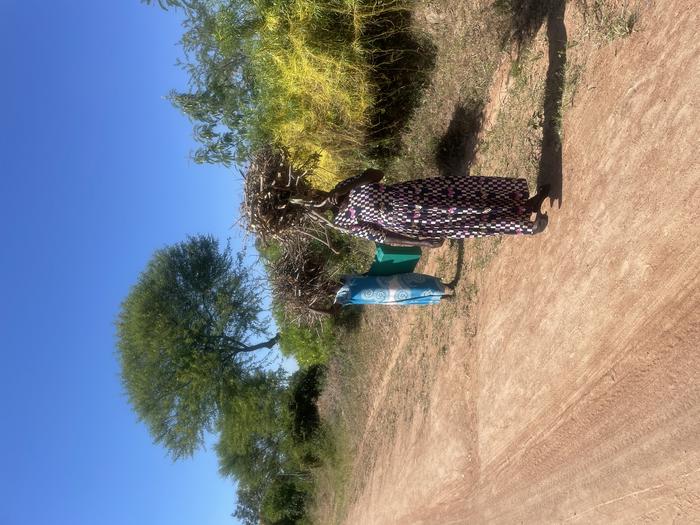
(425, 212)
(401, 289)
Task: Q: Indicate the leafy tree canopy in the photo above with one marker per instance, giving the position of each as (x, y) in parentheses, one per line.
(271, 460)
(253, 431)
(216, 40)
(184, 341)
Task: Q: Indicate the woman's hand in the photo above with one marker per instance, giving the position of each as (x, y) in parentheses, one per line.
(332, 199)
(431, 243)
(396, 239)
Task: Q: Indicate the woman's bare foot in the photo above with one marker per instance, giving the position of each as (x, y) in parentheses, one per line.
(534, 203)
(541, 222)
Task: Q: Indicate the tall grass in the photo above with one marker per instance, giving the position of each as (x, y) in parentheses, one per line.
(314, 68)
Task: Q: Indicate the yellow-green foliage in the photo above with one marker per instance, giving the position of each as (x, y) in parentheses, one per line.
(311, 68)
(308, 345)
(315, 99)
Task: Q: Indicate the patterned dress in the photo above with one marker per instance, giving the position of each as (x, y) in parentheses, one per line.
(437, 208)
(402, 289)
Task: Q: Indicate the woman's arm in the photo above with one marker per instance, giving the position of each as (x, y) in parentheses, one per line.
(378, 234)
(369, 176)
(395, 239)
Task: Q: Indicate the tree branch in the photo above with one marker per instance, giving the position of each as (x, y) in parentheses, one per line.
(267, 344)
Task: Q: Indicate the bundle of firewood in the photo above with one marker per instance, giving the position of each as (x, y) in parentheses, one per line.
(300, 280)
(278, 208)
(278, 200)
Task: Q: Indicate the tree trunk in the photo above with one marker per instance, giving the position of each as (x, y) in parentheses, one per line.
(267, 344)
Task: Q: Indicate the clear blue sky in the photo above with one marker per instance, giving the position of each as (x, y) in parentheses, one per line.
(95, 176)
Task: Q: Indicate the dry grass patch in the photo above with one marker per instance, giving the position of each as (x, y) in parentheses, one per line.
(346, 402)
(468, 37)
(607, 20)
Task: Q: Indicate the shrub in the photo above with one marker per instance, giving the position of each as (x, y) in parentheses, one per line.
(284, 502)
(304, 389)
(312, 86)
(309, 345)
(334, 77)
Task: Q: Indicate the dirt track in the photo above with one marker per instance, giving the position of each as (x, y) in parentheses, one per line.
(577, 399)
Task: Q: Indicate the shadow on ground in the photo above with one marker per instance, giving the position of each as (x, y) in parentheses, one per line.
(456, 149)
(550, 170)
(349, 317)
(527, 18)
(460, 263)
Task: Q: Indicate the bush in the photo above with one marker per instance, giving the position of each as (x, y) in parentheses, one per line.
(284, 502)
(304, 389)
(312, 81)
(336, 77)
(309, 345)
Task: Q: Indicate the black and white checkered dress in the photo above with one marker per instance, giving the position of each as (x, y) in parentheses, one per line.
(437, 208)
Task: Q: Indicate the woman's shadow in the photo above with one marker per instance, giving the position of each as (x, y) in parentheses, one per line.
(456, 149)
(550, 169)
(454, 156)
(527, 17)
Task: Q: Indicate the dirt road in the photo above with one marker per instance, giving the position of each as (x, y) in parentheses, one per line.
(572, 394)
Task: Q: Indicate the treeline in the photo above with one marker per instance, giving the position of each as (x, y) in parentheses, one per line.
(272, 458)
(195, 360)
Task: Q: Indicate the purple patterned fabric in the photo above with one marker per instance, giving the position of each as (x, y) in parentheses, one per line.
(438, 208)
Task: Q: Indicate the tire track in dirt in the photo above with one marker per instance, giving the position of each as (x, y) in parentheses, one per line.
(628, 255)
(609, 430)
(379, 396)
(609, 261)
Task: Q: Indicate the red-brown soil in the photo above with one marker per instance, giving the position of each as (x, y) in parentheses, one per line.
(571, 391)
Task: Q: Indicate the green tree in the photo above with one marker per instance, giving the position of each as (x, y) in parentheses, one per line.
(184, 338)
(253, 430)
(268, 442)
(249, 504)
(254, 447)
(284, 502)
(219, 101)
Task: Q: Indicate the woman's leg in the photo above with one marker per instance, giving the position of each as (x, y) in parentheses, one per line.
(533, 204)
(541, 222)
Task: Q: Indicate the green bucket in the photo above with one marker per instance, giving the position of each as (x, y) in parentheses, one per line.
(390, 260)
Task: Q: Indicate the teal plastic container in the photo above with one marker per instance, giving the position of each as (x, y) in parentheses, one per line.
(390, 260)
